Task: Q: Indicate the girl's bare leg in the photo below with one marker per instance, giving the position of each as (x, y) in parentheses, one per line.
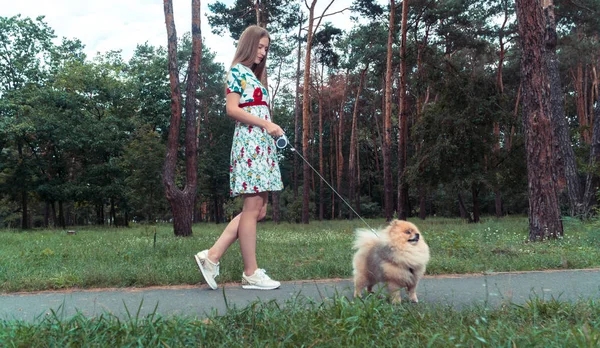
(228, 237)
(253, 206)
(243, 226)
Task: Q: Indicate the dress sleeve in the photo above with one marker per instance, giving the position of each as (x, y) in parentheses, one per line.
(235, 81)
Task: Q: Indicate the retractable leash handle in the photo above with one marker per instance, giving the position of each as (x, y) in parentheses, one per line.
(282, 142)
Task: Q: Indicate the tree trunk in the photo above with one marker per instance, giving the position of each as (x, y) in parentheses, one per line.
(388, 201)
(340, 143)
(61, 215)
(297, 110)
(591, 182)
(403, 209)
(475, 197)
(565, 162)
(182, 200)
(24, 194)
(464, 214)
(321, 164)
(421, 103)
(581, 104)
(353, 136)
(53, 210)
(500, 86)
(332, 164)
(306, 115)
(544, 213)
(422, 201)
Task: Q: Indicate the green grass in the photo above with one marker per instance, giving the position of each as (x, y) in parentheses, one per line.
(105, 257)
(337, 322)
(95, 257)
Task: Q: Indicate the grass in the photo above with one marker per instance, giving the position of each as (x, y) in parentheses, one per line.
(133, 257)
(100, 257)
(334, 323)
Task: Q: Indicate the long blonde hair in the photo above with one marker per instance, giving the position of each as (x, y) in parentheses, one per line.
(247, 48)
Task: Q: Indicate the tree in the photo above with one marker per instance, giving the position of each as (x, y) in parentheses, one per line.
(327, 57)
(142, 162)
(403, 119)
(306, 100)
(182, 200)
(275, 15)
(544, 213)
(25, 47)
(388, 204)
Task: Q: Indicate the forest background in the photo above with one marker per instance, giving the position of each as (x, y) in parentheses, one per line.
(83, 141)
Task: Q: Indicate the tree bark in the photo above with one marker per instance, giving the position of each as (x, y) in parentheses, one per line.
(500, 86)
(591, 182)
(565, 162)
(182, 200)
(475, 197)
(53, 210)
(353, 150)
(403, 208)
(464, 214)
(321, 164)
(61, 215)
(340, 143)
(306, 114)
(332, 163)
(297, 110)
(544, 213)
(388, 201)
(422, 201)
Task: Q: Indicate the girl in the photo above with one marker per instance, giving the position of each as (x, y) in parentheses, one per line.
(254, 169)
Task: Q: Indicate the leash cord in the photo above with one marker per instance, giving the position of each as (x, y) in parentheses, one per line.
(331, 187)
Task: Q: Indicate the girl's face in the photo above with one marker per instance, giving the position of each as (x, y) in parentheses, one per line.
(261, 52)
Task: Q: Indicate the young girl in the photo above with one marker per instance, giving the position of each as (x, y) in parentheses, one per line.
(254, 170)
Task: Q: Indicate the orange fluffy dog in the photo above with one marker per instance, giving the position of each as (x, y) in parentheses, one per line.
(396, 255)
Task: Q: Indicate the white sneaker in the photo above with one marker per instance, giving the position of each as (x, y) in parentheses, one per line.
(209, 269)
(259, 281)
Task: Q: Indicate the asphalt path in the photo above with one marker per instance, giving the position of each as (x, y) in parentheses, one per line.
(491, 290)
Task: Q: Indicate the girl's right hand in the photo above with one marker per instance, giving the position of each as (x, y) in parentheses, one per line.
(273, 129)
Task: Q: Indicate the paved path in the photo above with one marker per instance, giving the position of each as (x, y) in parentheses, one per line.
(460, 290)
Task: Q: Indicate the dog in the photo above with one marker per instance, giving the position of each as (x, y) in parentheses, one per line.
(396, 255)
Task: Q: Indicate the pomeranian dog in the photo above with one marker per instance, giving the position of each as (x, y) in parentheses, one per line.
(396, 255)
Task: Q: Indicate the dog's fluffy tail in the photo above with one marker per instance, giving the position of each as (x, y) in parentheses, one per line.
(367, 238)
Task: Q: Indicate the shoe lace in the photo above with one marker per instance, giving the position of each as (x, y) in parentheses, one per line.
(215, 269)
(261, 273)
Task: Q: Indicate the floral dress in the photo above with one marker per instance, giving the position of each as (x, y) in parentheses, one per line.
(253, 164)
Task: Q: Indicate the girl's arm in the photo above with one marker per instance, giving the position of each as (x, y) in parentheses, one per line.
(234, 111)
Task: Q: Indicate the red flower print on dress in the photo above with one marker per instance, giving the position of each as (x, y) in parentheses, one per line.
(231, 169)
(269, 150)
(249, 162)
(255, 189)
(258, 150)
(242, 152)
(257, 94)
(244, 185)
(228, 90)
(250, 129)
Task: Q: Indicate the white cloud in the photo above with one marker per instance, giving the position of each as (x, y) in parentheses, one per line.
(117, 24)
(104, 25)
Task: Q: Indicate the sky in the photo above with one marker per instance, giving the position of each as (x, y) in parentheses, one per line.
(105, 25)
